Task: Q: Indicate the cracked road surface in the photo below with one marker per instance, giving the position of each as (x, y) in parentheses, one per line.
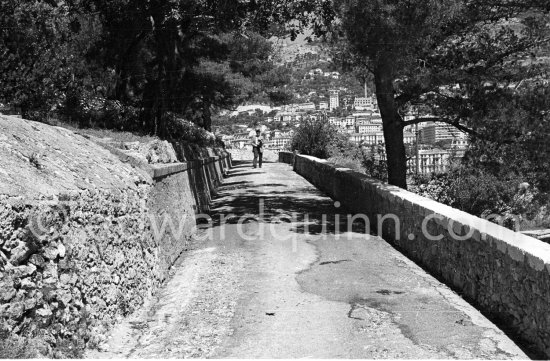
(282, 283)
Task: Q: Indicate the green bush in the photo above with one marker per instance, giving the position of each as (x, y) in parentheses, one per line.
(475, 192)
(375, 166)
(186, 131)
(113, 115)
(94, 112)
(347, 162)
(481, 193)
(317, 137)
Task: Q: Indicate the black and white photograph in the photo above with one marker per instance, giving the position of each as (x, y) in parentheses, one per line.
(275, 179)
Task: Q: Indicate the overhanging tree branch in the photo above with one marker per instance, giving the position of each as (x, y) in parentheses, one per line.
(452, 122)
(461, 127)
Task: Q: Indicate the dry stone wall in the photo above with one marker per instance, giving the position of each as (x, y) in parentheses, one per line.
(80, 231)
(505, 273)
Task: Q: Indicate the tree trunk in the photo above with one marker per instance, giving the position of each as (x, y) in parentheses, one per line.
(392, 123)
(148, 107)
(24, 112)
(207, 117)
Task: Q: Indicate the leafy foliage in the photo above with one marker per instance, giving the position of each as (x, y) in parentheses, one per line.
(443, 54)
(316, 137)
(483, 194)
(514, 138)
(39, 55)
(373, 163)
(126, 64)
(186, 131)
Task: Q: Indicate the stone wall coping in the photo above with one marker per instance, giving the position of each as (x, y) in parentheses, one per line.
(160, 170)
(165, 170)
(518, 246)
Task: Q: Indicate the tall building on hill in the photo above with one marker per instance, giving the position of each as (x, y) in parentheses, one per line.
(437, 132)
(334, 99)
(362, 103)
(366, 103)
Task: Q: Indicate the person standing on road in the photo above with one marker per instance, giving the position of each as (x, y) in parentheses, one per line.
(257, 148)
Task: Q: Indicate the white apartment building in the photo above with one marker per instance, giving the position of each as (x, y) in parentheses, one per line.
(460, 143)
(362, 103)
(365, 103)
(431, 161)
(362, 120)
(364, 128)
(334, 100)
(340, 123)
(288, 117)
(376, 118)
(409, 138)
(367, 138)
(279, 143)
(305, 106)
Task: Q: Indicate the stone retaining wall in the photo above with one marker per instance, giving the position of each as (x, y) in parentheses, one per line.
(504, 273)
(180, 192)
(81, 241)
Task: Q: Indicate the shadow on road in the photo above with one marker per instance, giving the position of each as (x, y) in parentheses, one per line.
(309, 210)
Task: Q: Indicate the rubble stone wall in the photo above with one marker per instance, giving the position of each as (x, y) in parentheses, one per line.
(81, 232)
(505, 274)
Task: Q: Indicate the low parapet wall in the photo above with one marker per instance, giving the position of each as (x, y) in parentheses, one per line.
(506, 274)
(286, 157)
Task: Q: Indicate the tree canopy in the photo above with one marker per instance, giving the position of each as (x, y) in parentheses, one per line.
(454, 57)
(140, 62)
(137, 65)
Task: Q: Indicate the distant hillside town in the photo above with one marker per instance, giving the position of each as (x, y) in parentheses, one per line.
(433, 145)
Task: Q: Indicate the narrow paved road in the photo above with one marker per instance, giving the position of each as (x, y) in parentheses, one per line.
(275, 285)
